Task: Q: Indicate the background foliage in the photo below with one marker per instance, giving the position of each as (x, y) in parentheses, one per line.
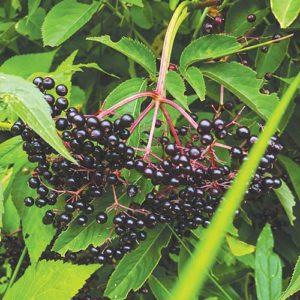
(110, 50)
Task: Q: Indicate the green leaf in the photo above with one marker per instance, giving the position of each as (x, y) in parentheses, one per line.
(9, 149)
(285, 12)
(238, 247)
(208, 47)
(1, 207)
(36, 235)
(77, 238)
(176, 87)
(159, 290)
(270, 61)
(293, 171)
(134, 269)
(11, 219)
(195, 78)
(135, 50)
(173, 4)
(50, 280)
(26, 64)
(135, 2)
(29, 104)
(287, 200)
(72, 15)
(31, 25)
(236, 18)
(294, 285)
(242, 82)
(124, 90)
(268, 271)
(32, 6)
(206, 249)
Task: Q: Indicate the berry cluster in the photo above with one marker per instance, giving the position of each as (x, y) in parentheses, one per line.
(11, 250)
(188, 178)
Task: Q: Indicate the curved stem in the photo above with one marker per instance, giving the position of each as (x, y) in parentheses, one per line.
(181, 110)
(124, 102)
(141, 117)
(168, 45)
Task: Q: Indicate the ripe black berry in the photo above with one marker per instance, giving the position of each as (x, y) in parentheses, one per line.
(48, 83)
(126, 120)
(101, 218)
(251, 18)
(61, 90)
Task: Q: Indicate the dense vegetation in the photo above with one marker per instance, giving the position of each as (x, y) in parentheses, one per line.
(149, 149)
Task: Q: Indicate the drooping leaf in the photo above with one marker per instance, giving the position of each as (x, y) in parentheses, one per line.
(175, 86)
(159, 290)
(7, 150)
(238, 247)
(285, 12)
(236, 19)
(206, 250)
(195, 78)
(270, 61)
(26, 64)
(268, 271)
(135, 268)
(29, 104)
(135, 50)
(242, 82)
(11, 219)
(208, 47)
(32, 6)
(294, 285)
(124, 90)
(46, 280)
(72, 15)
(293, 170)
(36, 235)
(287, 200)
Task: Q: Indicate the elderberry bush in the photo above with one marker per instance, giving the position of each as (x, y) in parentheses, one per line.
(149, 149)
(188, 179)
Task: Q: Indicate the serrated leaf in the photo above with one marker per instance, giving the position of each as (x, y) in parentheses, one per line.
(159, 290)
(124, 90)
(29, 104)
(287, 200)
(72, 15)
(242, 82)
(26, 64)
(270, 61)
(77, 238)
(285, 12)
(176, 87)
(236, 18)
(238, 247)
(30, 26)
(135, 268)
(208, 47)
(294, 285)
(293, 170)
(195, 78)
(135, 50)
(268, 273)
(50, 280)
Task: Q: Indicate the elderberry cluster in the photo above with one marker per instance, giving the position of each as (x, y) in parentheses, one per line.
(11, 248)
(188, 178)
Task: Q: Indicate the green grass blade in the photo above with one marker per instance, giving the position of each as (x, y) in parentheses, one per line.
(197, 267)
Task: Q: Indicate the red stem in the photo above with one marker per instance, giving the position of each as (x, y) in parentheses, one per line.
(124, 102)
(141, 117)
(169, 120)
(181, 110)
